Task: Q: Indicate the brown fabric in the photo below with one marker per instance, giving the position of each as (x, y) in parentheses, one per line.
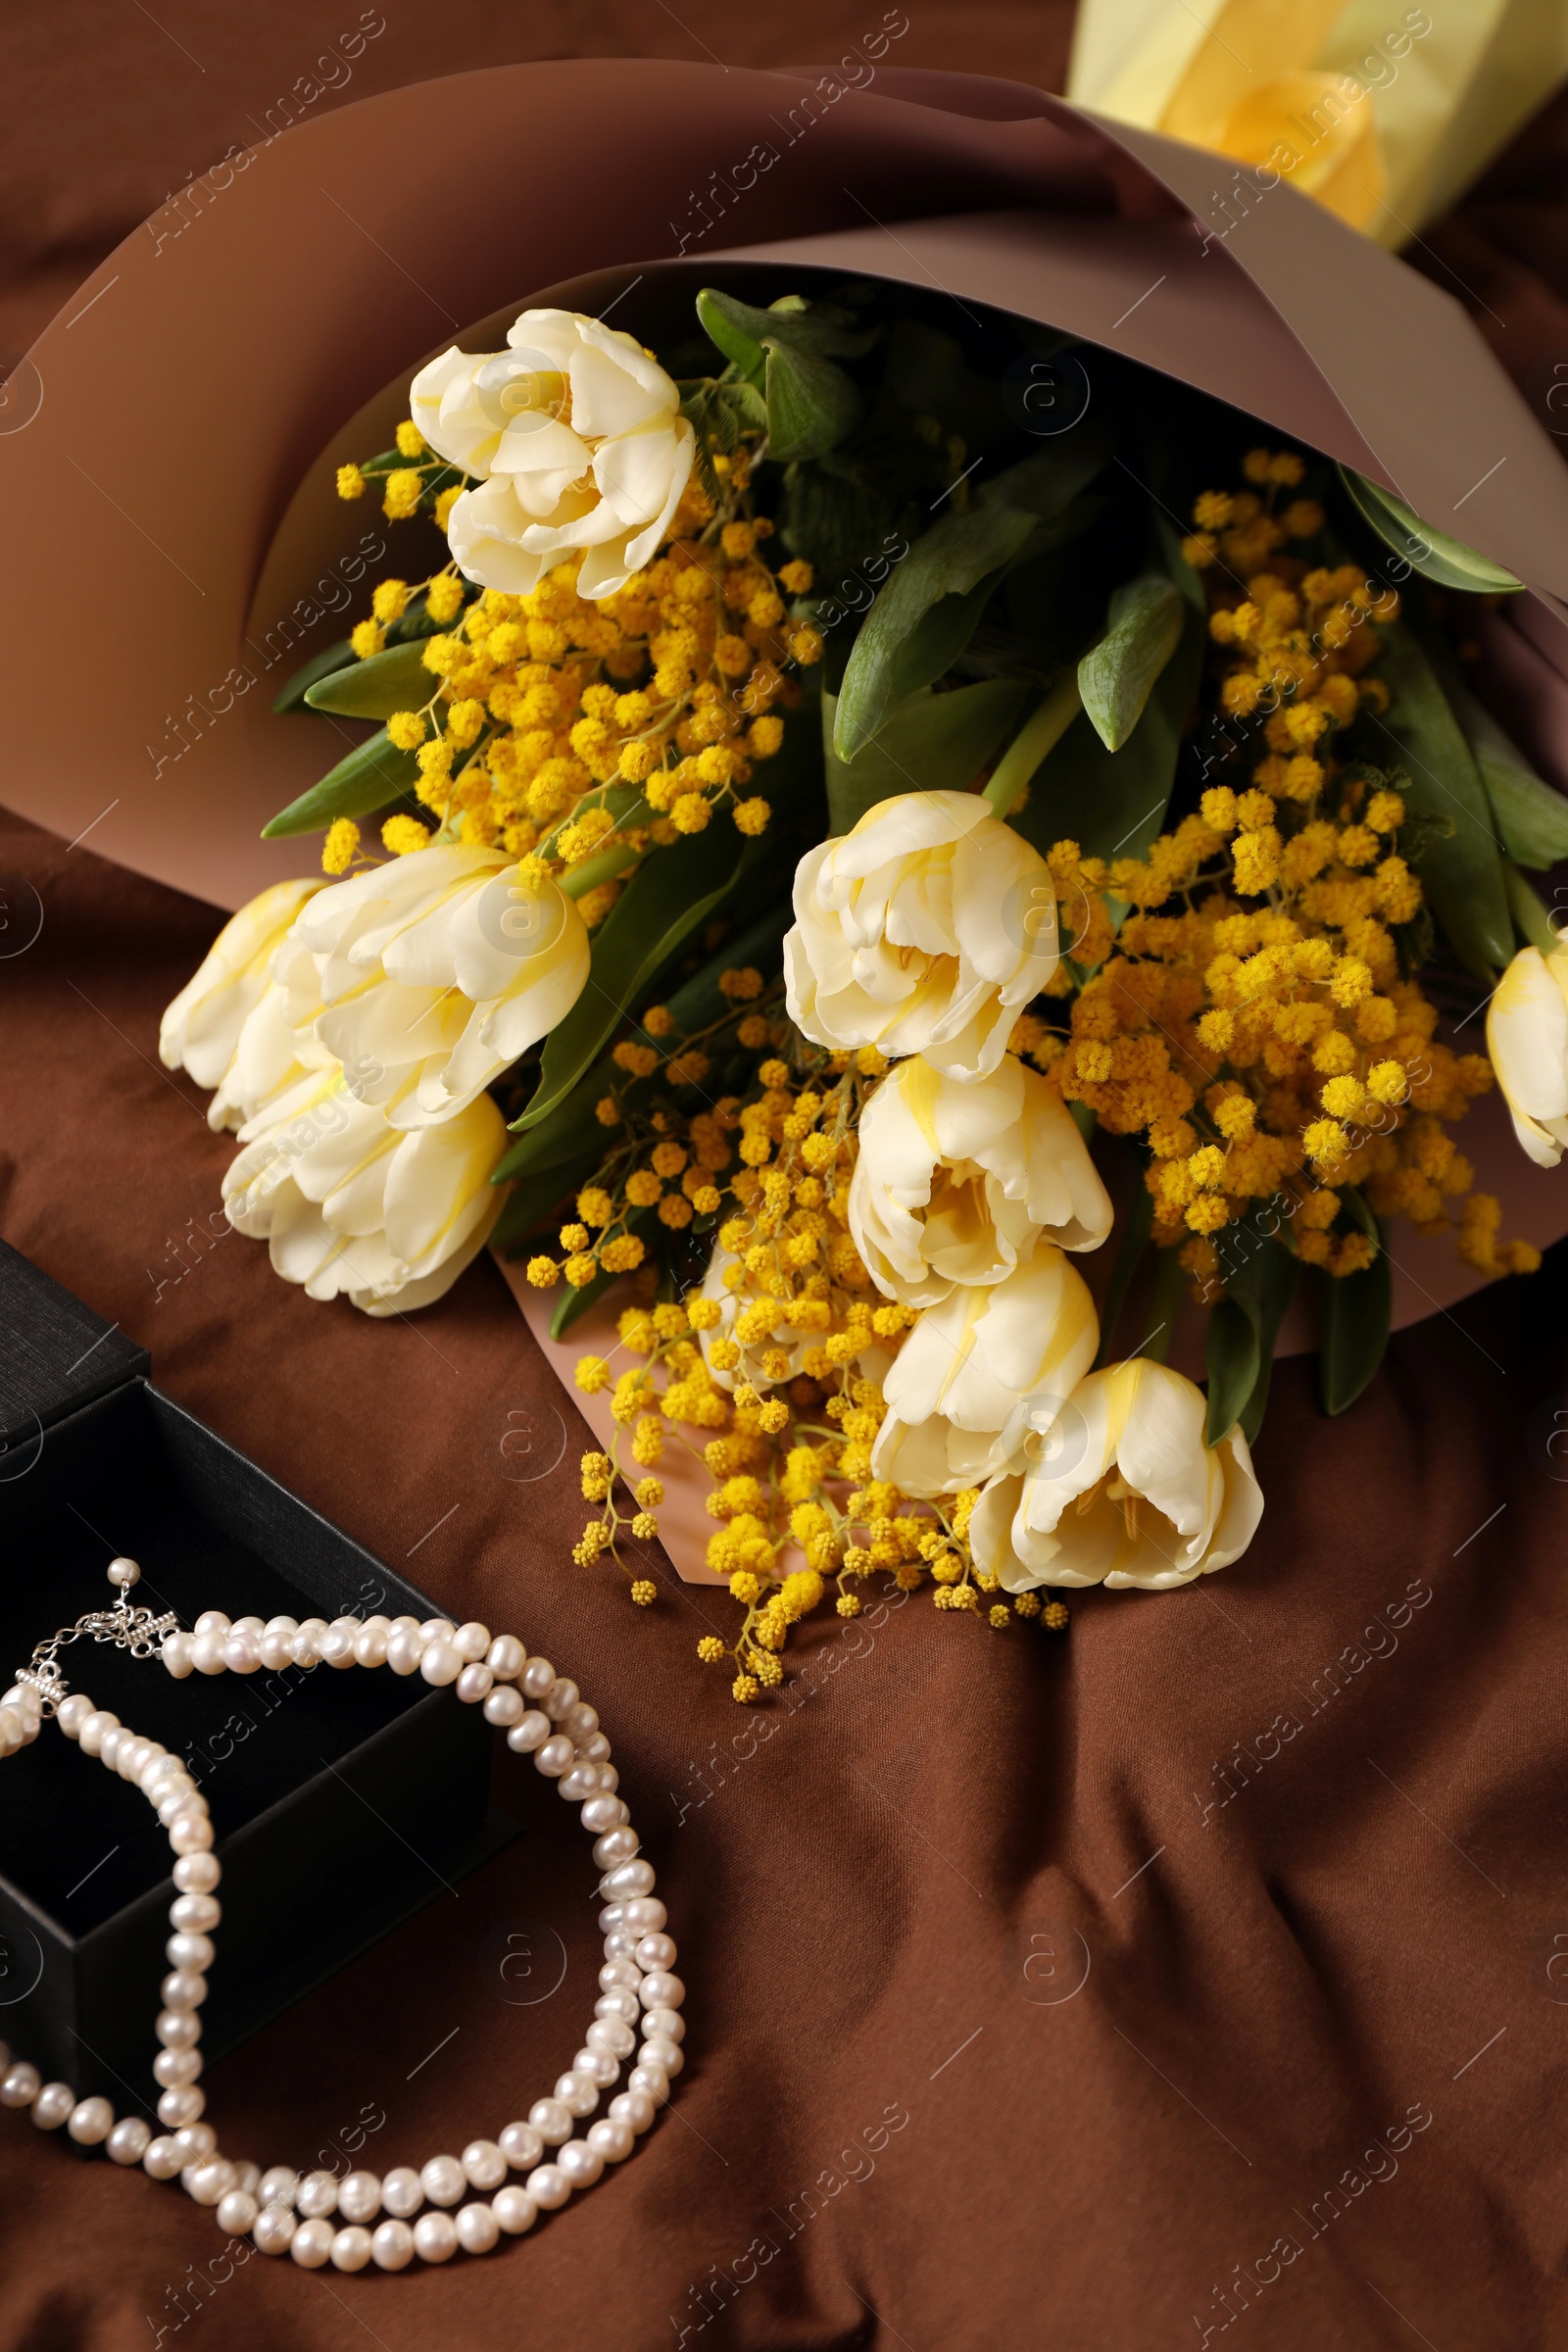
(1300, 1825)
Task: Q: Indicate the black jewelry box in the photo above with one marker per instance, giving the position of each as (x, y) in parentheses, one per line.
(341, 1801)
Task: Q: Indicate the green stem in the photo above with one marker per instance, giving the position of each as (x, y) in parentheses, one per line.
(1530, 916)
(577, 880)
(1038, 735)
(1165, 1298)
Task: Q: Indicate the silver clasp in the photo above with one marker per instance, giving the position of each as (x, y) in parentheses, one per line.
(140, 1631)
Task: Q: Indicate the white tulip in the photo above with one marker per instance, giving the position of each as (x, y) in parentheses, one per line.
(201, 1028)
(346, 1204)
(980, 1372)
(957, 1181)
(1121, 1491)
(922, 931)
(578, 442)
(435, 971)
(1527, 1038)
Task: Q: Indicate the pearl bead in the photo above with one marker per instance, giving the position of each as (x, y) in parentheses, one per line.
(515, 2210)
(278, 2185)
(359, 2197)
(443, 2180)
(207, 1651)
(132, 1757)
(619, 1944)
(538, 1678)
(604, 1813)
(652, 2079)
(212, 1621)
(317, 2195)
(242, 1653)
(123, 1572)
(622, 1970)
(597, 1751)
(197, 1874)
(644, 1913)
(655, 1951)
(179, 2029)
(506, 1657)
(73, 1713)
(620, 2003)
(554, 1757)
(628, 1879)
(183, 1988)
(340, 1647)
(632, 2107)
(161, 2159)
(559, 1698)
(577, 2092)
(190, 1833)
(13, 1730)
(477, 2229)
(472, 1640)
(504, 1707)
(656, 2052)
(441, 1663)
(276, 1645)
(273, 2228)
(435, 2238)
(530, 1733)
(53, 2104)
(552, 2119)
(90, 2120)
(19, 2087)
(236, 2212)
(351, 2247)
(617, 1846)
(549, 2186)
(392, 2246)
(91, 1734)
(405, 1647)
(248, 2177)
(483, 2164)
(474, 1683)
(209, 2182)
(181, 2107)
(522, 2145)
(597, 2067)
(611, 2035)
(128, 2141)
(579, 1722)
(247, 1625)
(172, 2068)
(190, 1951)
(612, 2141)
(195, 1914)
(660, 1990)
(312, 2244)
(370, 1647)
(581, 2164)
(668, 2024)
(579, 1784)
(402, 2191)
(195, 2141)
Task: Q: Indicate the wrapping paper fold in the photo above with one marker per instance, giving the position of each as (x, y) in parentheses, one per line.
(263, 328)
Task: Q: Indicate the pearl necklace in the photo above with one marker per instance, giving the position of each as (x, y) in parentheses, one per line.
(317, 2218)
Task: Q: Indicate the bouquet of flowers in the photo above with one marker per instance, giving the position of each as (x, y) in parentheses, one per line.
(890, 859)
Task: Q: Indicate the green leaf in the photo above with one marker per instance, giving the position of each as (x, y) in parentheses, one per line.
(1428, 551)
(1135, 1230)
(373, 775)
(1358, 1312)
(292, 697)
(740, 329)
(955, 557)
(1458, 860)
(668, 895)
(1260, 1274)
(932, 743)
(394, 680)
(1529, 816)
(529, 1203)
(939, 638)
(1113, 804)
(1116, 676)
(811, 403)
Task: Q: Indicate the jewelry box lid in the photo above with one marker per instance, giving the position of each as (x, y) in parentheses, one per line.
(55, 1355)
